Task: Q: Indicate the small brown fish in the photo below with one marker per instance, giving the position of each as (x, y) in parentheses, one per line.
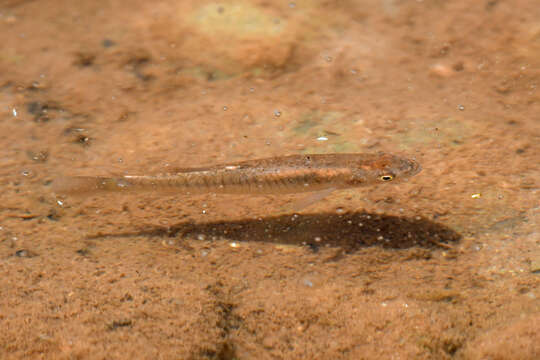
(291, 174)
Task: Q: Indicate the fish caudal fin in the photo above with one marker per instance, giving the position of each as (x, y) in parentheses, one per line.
(85, 185)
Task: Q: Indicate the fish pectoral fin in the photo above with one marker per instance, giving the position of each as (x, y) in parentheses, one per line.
(311, 199)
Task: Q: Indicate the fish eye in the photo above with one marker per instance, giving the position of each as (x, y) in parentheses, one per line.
(386, 177)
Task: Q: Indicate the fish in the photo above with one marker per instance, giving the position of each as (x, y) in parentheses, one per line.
(291, 174)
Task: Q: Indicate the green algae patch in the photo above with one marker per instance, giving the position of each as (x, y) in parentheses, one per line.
(326, 132)
(203, 73)
(240, 37)
(314, 123)
(447, 131)
(236, 20)
(11, 56)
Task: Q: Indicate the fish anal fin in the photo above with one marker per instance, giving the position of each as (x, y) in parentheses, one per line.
(311, 199)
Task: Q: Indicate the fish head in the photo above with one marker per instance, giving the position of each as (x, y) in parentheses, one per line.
(383, 168)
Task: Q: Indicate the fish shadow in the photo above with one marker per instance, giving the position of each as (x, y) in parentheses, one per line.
(349, 231)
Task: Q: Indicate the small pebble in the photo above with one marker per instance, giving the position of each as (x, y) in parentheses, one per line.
(23, 253)
(535, 265)
(441, 70)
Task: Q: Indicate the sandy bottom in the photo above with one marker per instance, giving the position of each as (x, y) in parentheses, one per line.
(446, 265)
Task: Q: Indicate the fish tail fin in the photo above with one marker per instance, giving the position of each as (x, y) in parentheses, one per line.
(86, 185)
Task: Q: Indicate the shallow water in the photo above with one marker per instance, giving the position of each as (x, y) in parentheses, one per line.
(445, 265)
